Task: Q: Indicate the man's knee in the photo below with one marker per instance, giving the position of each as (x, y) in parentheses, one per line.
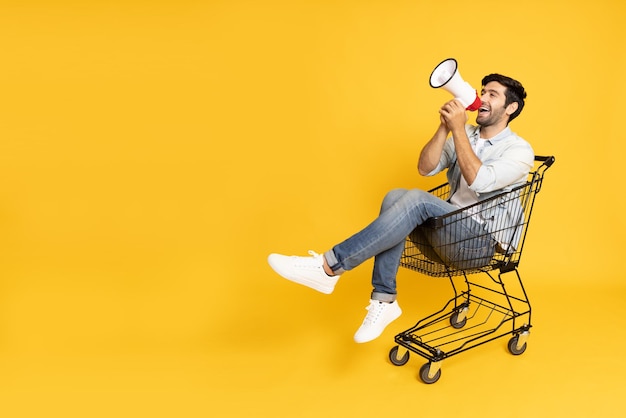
(392, 197)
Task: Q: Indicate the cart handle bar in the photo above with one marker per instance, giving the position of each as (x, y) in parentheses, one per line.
(548, 161)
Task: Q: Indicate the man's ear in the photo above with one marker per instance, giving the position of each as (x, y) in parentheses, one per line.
(511, 108)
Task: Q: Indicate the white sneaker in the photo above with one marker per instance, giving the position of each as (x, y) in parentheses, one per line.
(379, 315)
(308, 271)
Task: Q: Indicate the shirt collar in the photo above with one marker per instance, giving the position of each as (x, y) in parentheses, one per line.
(503, 134)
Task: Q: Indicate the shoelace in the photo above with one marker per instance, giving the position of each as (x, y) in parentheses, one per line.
(309, 262)
(374, 312)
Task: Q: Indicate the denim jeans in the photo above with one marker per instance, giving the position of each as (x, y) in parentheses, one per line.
(402, 211)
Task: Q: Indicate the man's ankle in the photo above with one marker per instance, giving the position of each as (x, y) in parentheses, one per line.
(326, 267)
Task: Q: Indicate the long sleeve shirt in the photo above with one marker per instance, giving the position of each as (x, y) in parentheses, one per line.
(506, 161)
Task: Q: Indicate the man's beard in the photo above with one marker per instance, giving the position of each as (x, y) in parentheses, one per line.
(491, 119)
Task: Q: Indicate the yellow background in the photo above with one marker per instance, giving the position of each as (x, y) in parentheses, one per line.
(153, 153)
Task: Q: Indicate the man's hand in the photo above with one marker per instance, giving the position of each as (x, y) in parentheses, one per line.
(454, 116)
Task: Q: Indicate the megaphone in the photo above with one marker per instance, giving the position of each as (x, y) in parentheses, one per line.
(446, 75)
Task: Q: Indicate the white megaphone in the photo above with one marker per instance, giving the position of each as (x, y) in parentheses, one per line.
(446, 75)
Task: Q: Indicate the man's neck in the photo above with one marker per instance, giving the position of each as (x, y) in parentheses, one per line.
(488, 132)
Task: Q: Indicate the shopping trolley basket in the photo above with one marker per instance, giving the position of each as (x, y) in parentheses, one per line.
(488, 307)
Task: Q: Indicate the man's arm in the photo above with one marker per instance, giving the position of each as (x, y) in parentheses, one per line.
(455, 117)
(431, 153)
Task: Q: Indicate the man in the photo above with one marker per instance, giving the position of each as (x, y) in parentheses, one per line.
(481, 160)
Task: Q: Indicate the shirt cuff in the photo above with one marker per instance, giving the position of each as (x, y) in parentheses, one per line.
(482, 180)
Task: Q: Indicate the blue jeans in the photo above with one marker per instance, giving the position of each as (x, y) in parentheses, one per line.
(402, 212)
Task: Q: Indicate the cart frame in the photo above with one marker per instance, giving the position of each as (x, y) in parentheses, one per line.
(489, 307)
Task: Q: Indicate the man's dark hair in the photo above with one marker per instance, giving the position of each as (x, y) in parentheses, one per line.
(514, 91)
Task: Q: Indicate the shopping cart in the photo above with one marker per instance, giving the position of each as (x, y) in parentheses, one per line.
(488, 307)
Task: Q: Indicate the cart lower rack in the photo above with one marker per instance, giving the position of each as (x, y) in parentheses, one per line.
(490, 306)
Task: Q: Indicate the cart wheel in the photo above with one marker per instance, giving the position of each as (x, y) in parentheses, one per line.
(393, 357)
(513, 346)
(455, 322)
(424, 370)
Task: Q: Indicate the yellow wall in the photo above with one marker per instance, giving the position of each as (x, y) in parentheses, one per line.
(152, 153)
